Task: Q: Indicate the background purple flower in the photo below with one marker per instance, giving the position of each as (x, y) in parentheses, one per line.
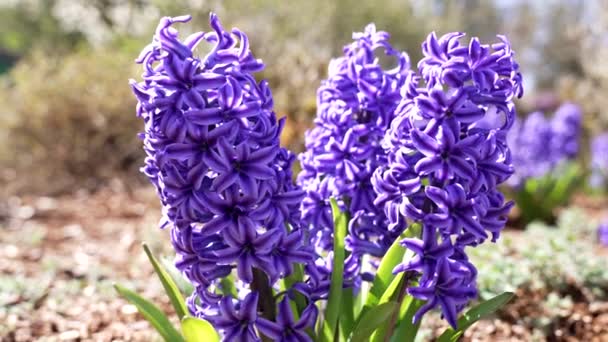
(567, 124)
(602, 232)
(599, 161)
(531, 153)
(540, 144)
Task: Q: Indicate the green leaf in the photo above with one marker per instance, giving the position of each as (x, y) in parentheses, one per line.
(392, 289)
(481, 310)
(384, 275)
(152, 314)
(347, 314)
(177, 300)
(395, 292)
(332, 310)
(198, 330)
(372, 319)
(391, 294)
(406, 330)
(184, 286)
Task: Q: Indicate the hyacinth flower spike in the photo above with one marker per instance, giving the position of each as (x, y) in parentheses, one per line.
(355, 105)
(212, 144)
(447, 152)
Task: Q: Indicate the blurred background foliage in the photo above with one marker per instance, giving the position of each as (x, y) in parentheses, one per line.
(67, 118)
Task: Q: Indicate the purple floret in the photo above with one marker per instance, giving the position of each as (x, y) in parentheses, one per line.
(286, 329)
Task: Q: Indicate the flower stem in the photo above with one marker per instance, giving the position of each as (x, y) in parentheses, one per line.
(266, 303)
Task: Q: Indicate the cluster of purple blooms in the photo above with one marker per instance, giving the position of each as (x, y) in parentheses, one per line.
(447, 152)
(539, 144)
(599, 161)
(394, 146)
(355, 106)
(213, 154)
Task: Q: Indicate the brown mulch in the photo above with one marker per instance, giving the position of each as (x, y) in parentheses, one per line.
(60, 256)
(526, 318)
(583, 321)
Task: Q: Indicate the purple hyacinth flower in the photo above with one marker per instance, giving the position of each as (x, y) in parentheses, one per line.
(454, 210)
(284, 201)
(290, 249)
(437, 105)
(249, 249)
(428, 253)
(447, 152)
(199, 149)
(181, 196)
(492, 163)
(238, 324)
(316, 208)
(447, 290)
(286, 329)
(531, 156)
(540, 144)
(240, 164)
(566, 125)
(212, 142)
(234, 212)
(355, 106)
(445, 157)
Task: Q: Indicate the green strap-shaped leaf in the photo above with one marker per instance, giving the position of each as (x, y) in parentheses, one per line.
(347, 314)
(406, 330)
(479, 311)
(396, 293)
(177, 300)
(185, 287)
(372, 319)
(392, 289)
(332, 310)
(384, 275)
(198, 330)
(152, 314)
